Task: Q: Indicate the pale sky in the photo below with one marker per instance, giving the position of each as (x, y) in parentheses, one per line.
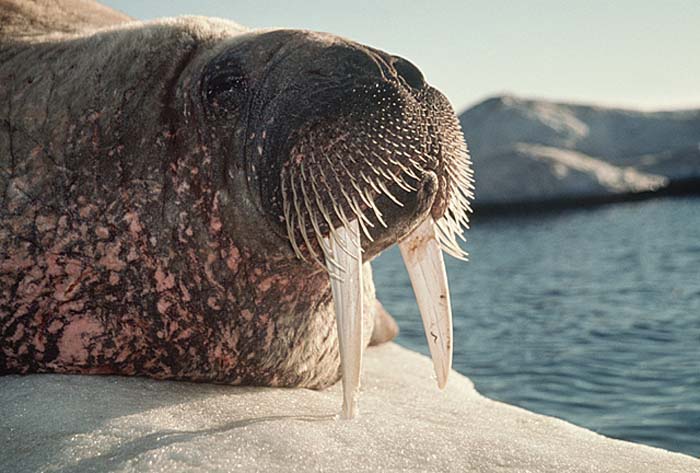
(630, 53)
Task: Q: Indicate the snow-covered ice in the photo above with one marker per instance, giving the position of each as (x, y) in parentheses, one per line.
(59, 423)
(528, 151)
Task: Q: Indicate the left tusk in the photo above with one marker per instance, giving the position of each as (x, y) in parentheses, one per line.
(426, 268)
(346, 284)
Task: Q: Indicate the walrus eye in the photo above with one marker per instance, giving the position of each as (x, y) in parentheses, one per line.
(225, 87)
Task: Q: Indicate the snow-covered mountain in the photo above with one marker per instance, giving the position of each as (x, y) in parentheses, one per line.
(531, 151)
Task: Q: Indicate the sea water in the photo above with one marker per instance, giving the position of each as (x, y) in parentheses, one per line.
(589, 315)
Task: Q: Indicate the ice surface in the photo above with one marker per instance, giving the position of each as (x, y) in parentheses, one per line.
(79, 423)
(536, 150)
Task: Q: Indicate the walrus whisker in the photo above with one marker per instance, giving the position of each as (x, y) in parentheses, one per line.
(292, 237)
(289, 221)
(374, 169)
(446, 244)
(401, 183)
(327, 217)
(370, 182)
(378, 156)
(377, 213)
(314, 256)
(363, 220)
(466, 189)
(388, 176)
(388, 193)
(461, 207)
(330, 258)
(352, 203)
(301, 168)
(463, 181)
(381, 171)
(294, 243)
(460, 201)
(302, 223)
(445, 236)
(456, 220)
(339, 159)
(357, 210)
(450, 223)
(366, 197)
(416, 165)
(341, 213)
(411, 174)
(314, 223)
(366, 200)
(338, 210)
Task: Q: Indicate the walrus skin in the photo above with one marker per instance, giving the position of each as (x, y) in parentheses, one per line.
(142, 223)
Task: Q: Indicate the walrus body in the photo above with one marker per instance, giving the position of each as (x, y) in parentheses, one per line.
(142, 229)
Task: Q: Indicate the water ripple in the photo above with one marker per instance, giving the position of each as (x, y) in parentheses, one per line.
(592, 316)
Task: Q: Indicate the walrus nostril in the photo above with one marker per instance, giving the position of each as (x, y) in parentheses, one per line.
(409, 73)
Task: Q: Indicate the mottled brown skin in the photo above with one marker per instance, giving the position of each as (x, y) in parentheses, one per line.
(134, 239)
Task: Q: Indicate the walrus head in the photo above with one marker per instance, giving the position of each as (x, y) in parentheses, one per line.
(345, 150)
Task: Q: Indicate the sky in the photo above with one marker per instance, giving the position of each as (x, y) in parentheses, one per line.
(630, 53)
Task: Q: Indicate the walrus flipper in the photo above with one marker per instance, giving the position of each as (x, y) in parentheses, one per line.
(385, 327)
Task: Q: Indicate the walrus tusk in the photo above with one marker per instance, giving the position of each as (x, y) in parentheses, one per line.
(346, 249)
(426, 268)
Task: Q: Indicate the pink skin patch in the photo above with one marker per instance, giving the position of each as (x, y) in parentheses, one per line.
(163, 281)
(73, 345)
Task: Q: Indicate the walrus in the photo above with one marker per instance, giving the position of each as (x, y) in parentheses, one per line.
(189, 199)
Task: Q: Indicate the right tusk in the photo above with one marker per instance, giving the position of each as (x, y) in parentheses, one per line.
(426, 268)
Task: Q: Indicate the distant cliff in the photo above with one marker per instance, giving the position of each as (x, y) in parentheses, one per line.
(529, 153)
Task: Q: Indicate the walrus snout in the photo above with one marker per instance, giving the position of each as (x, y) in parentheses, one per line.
(334, 131)
(407, 71)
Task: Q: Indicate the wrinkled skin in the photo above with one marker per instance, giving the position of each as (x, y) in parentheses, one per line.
(141, 226)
